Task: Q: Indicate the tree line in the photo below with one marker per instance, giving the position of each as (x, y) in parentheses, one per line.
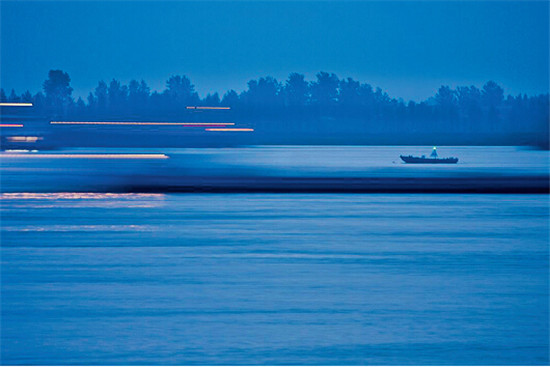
(327, 101)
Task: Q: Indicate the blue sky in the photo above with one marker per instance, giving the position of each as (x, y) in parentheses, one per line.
(407, 48)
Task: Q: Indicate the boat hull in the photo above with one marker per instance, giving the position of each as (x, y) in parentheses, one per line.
(420, 160)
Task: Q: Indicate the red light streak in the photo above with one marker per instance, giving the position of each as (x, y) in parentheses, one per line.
(207, 108)
(229, 129)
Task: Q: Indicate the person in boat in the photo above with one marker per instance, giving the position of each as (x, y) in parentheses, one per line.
(432, 159)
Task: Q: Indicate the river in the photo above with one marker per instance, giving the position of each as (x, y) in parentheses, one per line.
(383, 279)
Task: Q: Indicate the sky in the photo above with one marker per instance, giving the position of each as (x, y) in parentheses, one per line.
(407, 48)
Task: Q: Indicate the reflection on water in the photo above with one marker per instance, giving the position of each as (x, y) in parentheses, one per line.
(79, 228)
(32, 200)
(32, 155)
(74, 196)
(275, 279)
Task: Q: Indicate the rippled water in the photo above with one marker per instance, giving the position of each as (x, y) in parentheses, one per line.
(274, 279)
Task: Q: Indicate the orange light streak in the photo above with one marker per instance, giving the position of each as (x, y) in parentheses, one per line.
(141, 123)
(13, 104)
(87, 156)
(237, 129)
(11, 125)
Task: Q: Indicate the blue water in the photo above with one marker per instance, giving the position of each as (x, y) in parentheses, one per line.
(275, 279)
(38, 172)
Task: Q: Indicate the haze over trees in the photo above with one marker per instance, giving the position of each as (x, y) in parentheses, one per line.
(325, 105)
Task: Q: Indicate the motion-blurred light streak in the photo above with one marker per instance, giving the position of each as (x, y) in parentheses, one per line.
(207, 108)
(201, 124)
(26, 139)
(14, 104)
(11, 125)
(229, 129)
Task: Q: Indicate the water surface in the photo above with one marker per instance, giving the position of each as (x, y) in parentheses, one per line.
(274, 279)
(272, 166)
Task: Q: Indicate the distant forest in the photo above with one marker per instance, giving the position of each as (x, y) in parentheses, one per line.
(322, 106)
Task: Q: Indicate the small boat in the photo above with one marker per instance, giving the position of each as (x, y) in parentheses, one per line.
(433, 158)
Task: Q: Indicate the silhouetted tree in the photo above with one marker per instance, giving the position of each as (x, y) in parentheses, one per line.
(492, 96)
(469, 104)
(77, 109)
(326, 103)
(382, 104)
(212, 100)
(447, 109)
(349, 93)
(14, 97)
(366, 95)
(230, 99)
(324, 91)
(181, 92)
(92, 101)
(138, 95)
(445, 98)
(101, 97)
(296, 90)
(58, 90)
(156, 101)
(39, 101)
(468, 98)
(117, 96)
(26, 97)
(263, 95)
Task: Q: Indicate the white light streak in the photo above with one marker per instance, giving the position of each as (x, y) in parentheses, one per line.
(13, 104)
(229, 129)
(125, 123)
